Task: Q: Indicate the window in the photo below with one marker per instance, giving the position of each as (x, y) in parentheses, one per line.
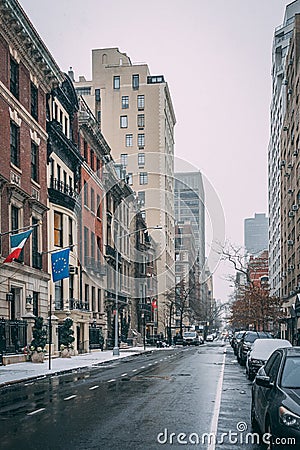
(141, 197)
(141, 120)
(93, 298)
(85, 194)
(92, 200)
(141, 140)
(92, 161)
(14, 218)
(34, 162)
(66, 127)
(98, 166)
(135, 81)
(34, 101)
(70, 231)
(129, 179)
(35, 303)
(92, 244)
(14, 78)
(86, 296)
(58, 229)
(124, 159)
(141, 159)
(86, 242)
(143, 178)
(59, 302)
(141, 102)
(125, 102)
(99, 300)
(98, 248)
(97, 95)
(71, 286)
(14, 144)
(85, 150)
(123, 122)
(129, 140)
(116, 82)
(36, 262)
(98, 207)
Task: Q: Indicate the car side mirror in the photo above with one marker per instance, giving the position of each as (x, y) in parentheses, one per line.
(263, 381)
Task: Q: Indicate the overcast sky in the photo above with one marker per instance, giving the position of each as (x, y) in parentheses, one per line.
(215, 56)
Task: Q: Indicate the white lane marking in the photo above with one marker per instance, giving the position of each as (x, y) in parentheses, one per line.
(70, 397)
(149, 364)
(142, 367)
(123, 374)
(28, 384)
(110, 381)
(161, 359)
(215, 419)
(36, 411)
(134, 370)
(93, 387)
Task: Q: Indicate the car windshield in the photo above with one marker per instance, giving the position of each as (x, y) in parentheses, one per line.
(253, 336)
(189, 334)
(291, 373)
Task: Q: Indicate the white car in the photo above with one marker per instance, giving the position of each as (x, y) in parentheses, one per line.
(261, 351)
(210, 337)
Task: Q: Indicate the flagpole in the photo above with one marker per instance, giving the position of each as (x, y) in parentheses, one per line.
(58, 250)
(50, 331)
(20, 229)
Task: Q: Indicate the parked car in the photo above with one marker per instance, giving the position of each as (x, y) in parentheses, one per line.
(210, 337)
(246, 343)
(236, 339)
(191, 338)
(260, 353)
(275, 406)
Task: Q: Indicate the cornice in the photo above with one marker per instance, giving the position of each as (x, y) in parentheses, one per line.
(19, 31)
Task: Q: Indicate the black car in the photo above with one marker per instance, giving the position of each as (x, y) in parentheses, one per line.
(246, 343)
(235, 340)
(275, 405)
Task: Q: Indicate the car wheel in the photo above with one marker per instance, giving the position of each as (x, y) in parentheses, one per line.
(254, 422)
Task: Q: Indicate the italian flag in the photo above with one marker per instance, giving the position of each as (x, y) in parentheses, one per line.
(17, 242)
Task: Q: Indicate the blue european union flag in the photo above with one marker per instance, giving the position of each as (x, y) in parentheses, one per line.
(60, 264)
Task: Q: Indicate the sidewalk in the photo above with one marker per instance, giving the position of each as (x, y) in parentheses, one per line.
(15, 373)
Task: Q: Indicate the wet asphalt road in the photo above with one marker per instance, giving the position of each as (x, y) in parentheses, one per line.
(120, 405)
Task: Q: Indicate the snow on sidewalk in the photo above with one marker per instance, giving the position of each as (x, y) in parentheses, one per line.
(27, 370)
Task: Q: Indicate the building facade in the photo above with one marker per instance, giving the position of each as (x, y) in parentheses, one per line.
(28, 73)
(137, 119)
(290, 191)
(281, 41)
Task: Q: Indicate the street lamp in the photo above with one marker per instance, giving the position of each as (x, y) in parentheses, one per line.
(116, 350)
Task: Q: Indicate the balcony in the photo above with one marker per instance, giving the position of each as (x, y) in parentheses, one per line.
(62, 193)
(75, 304)
(94, 265)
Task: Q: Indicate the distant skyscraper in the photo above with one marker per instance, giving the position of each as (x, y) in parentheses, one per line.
(189, 207)
(256, 233)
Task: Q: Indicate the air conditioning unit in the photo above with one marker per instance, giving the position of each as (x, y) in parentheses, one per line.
(285, 82)
(73, 270)
(295, 207)
(283, 274)
(282, 164)
(291, 214)
(292, 293)
(285, 128)
(290, 242)
(295, 152)
(290, 165)
(290, 91)
(290, 191)
(292, 267)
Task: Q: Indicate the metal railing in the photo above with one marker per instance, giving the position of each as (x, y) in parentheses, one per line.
(63, 187)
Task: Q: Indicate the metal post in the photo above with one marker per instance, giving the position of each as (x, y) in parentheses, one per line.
(50, 331)
(144, 331)
(116, 351)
